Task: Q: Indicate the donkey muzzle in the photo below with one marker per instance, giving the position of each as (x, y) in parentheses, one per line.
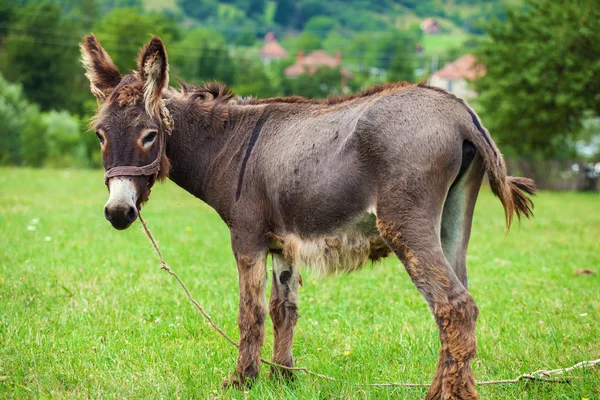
(120, 209)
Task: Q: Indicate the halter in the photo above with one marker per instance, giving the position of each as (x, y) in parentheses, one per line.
(152, 169)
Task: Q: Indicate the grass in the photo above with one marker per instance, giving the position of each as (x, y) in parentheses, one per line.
(441, 43)
(85, 311)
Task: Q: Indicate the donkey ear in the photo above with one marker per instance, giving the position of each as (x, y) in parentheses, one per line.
(100, 69)
(154, 69)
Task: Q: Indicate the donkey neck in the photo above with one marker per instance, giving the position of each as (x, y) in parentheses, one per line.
(206, 148)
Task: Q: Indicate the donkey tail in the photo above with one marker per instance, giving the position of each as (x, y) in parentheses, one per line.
(512, 191)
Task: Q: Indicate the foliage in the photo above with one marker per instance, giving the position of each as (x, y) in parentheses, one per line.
(41, 53)
(320, 25)
(199, 9)
(87, 312)
(34, 141)
(285, 11)
(63, 136)
(203, 55)
(542, 75)
(324, 82)
(124, 31)
(252, 79)
(16, 113)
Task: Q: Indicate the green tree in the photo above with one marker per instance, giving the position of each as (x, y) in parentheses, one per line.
(402, 64)
(543, 74)
(65, 145)
(124, 31)
(199, 9)
(252, 79)
(6, 17)
(41, 53)
(203, 55)
(285, 12)
(324, 82)
(256, 8)
(320, 25)
(15, 113)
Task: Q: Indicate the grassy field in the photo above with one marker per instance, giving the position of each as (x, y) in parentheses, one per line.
(86, 312)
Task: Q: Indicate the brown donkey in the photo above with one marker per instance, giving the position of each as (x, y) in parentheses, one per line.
(328, 184)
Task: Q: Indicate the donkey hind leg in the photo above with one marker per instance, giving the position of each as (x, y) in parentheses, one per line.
(251, 318)
(457, 215)
(410, 230)
(283, 308)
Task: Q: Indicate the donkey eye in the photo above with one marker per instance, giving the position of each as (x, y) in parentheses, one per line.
(149, 138)
(100, 138)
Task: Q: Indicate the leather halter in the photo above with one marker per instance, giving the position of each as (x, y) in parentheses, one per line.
(152, 169)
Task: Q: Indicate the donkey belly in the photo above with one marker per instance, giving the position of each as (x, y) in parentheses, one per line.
(343, 250)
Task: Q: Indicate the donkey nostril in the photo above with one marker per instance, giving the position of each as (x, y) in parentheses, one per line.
(106, 213)
(131, 214)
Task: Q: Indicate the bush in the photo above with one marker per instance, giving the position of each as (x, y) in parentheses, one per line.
(66, 147)
(15, 114)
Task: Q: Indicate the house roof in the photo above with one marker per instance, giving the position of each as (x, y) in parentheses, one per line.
(272, 48)
(313, 61)
(430, 25)
(466, 67)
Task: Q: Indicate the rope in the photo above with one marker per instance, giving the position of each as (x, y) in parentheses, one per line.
(541, 375)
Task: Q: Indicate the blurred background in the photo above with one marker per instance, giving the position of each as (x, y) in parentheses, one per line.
(530, 68)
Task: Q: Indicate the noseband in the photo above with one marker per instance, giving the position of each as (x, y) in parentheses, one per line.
(152, 169)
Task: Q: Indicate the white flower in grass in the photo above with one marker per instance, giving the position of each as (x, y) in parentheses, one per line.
(31, 228)
(35, 221)
(48, 238)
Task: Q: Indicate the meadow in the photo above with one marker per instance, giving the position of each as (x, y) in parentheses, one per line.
(85, 311)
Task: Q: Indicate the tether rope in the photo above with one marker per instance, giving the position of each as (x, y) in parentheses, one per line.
(541, 375)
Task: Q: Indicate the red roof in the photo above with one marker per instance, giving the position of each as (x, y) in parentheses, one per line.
(273, 49)
(313, 61)
(466, 67)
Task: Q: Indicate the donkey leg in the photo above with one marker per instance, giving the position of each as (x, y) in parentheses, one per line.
(251, 318)
(457, 218)
(412, 234)
(283, 308)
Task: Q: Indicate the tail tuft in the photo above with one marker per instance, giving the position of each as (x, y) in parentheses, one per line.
(518, 191)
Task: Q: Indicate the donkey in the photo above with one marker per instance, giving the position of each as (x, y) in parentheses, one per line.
(329, 184)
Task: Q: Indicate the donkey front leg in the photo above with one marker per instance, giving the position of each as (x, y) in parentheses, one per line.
(251, 318)
(283, 308)
(416, 243)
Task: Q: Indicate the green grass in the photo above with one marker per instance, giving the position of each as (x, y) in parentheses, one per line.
(86, 312)
(441, 43)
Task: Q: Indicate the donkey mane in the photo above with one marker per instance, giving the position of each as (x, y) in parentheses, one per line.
(335, 99)
(219, 92)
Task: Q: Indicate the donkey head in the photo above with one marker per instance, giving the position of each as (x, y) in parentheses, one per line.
(132, 124)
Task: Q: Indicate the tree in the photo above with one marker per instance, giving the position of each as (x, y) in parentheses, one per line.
(256, 8)
(402, 65)
(203, 55)
(41, 53)
(320, 25)
(199, 9)
(252, 79)
(322, 83)
(542, 75)
(285, 12)
(16, 113)
(124, 31)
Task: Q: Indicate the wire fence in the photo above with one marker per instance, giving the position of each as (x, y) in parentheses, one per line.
(558, 174)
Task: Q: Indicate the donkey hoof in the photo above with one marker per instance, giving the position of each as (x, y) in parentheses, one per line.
(278, 373)
(237, 382)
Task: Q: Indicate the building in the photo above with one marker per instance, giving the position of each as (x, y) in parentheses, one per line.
(430, 26)
(310, 63)
(456, 76)
(272, 50)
